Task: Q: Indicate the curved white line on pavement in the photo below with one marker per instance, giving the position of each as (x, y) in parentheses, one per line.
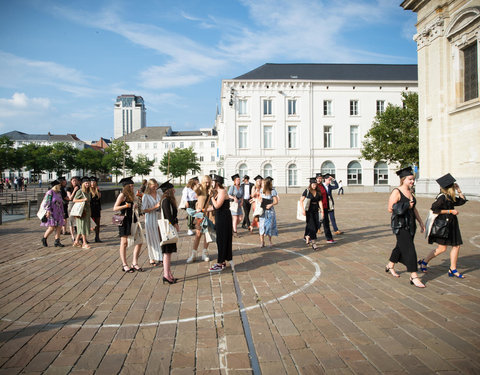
(472, 240)
(203, 317)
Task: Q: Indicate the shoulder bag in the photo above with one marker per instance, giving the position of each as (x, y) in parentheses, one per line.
(78, 208)
(300, 215)
(167, 231)
(440, 227)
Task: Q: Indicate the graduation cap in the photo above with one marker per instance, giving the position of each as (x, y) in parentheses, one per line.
(236, 175)
(126, 181)
(446, 181)
(246, 177)
(327, 175)
(312, 180)
(195, 178)
(85, 179)
(93, 178)
(54, 183)
(404, 172)
(217, 178)
(318, 175)
(258, 177)
(61, 179)
(269, 178)
(165, 186)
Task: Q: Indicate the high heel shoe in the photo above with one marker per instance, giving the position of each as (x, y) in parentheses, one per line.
(423, 265)
(135, 267)
(420, 285)
(169, 281)
(452, 273)
(127, 269)
(391, 270)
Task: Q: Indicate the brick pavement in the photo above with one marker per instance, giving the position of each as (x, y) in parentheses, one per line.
(67, 310)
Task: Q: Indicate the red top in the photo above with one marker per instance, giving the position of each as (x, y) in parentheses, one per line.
(321, 189)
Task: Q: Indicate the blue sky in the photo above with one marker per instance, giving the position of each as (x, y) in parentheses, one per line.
(63, 63)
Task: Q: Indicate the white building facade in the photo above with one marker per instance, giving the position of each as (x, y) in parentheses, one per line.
(448, 44)
(290, 121)
(156, 141)
(20, 139)
(129, 114)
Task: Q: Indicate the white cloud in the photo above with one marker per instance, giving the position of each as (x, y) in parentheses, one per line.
(21, 105)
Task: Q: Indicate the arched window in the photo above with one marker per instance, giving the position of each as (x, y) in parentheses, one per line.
(242, 170)
(292, 175)
(380, 173)
(328, 167)
(267, 170)
(354, 173)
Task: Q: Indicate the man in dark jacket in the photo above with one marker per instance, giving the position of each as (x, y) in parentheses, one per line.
(247, 190)
(326, 222)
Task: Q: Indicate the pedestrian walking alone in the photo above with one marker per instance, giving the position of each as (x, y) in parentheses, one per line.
(444, 207)
(54, 219)
(404, 213)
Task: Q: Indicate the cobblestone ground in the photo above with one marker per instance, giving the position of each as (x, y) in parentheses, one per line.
(335, 310)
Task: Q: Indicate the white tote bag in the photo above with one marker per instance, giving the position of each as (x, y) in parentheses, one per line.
(167, 231)
(42, 210)
(77, 209)
(234, 206)
(300, 215)
(258, 208)
(183, 204)
(137, 236)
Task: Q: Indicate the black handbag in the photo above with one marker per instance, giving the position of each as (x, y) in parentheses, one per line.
(440, 227)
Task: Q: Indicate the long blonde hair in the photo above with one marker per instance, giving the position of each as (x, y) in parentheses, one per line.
(149, 189)
(449, 192)
(94, 189)
(85, 189)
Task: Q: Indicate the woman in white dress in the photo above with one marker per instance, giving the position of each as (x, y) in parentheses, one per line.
(150, 206)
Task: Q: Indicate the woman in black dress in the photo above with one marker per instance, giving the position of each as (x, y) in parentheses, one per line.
(127, 206)
(95, 206)
(169, 209)
(404, 213)
(223, 223)
(444, 206)
(314, 207)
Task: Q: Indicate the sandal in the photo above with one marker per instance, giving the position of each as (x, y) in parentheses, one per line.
(417, 284)
(423, 265)
(314, 246)
(307, 240)
(392, 271)
(127, 269)
(135, 267)
(453, 273)
(76, 244)
(86, 246)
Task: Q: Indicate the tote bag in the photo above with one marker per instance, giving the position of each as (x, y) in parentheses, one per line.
(42, 210)
(300, 215)
(234, 206)
(167, 231)
(137, 236)
(77, 209)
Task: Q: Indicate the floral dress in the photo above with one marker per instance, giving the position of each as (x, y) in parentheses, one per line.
(54, 205)
(268, 220)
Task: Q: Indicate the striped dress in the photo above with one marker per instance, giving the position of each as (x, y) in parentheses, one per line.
(151, 227)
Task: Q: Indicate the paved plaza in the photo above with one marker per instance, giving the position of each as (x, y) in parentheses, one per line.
(279, 310)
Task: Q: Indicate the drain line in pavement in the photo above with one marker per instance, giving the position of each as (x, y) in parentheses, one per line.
(252, 353)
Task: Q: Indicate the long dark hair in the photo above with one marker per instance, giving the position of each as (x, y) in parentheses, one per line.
(170, 196)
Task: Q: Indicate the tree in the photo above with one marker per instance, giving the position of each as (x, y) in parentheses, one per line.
(181, 161)
(393, 136)
(114, 158)
(142, 165)
(91, 160)
(63, 158)
(37, 158)
(7, 154)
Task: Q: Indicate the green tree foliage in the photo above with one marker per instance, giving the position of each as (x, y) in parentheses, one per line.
(63, 158)
(393, 136)
(182, 160)
(37, 158)
(8, 155)
(142, 165)
(114, 158)
(91, 160)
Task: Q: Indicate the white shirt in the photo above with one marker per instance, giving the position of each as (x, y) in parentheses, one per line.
(246, 190)
(189, 195)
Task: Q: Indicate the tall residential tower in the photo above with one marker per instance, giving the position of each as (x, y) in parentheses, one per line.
(129, 115)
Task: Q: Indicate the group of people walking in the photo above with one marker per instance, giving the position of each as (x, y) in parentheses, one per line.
(318, 207)
(215, 212)
(58, 203)
(443, 227)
